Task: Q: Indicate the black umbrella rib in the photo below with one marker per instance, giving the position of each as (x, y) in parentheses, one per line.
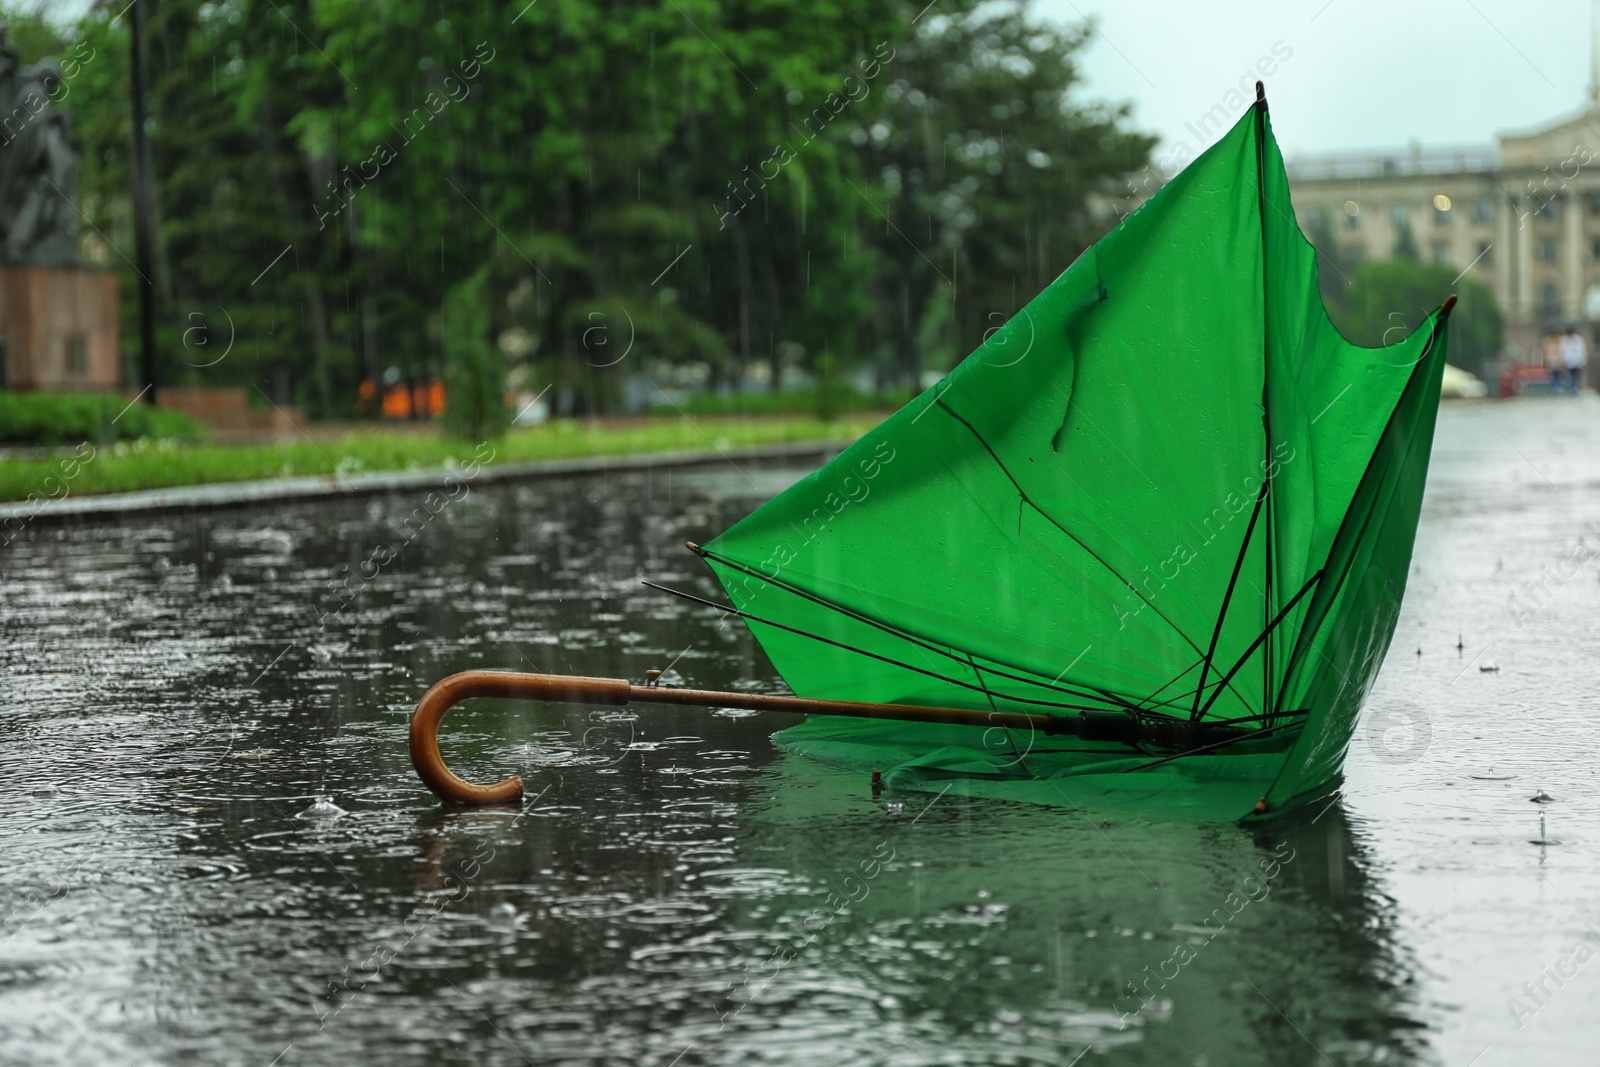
(1297, 653)
(1260, 718)
(1304, 589)
(1227, 596)
(1176, 698)
(731, 610)
(1023, 493)
(1204, 749)
(914, 639)
(1267, 694)
(996, 710)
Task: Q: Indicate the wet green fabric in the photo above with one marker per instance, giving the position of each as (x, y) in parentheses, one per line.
(1167, 486)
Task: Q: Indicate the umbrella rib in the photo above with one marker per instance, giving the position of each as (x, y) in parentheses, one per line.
(1074, 537)
(1304, 589)
(1227, 597)
(731, 610)
(920, 642)
(1203, 749)
(979, 675)
(1266, 407)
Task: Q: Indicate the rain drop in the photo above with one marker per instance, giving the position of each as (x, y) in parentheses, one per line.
(323, 808)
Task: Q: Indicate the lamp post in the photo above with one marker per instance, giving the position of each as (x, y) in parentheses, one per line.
(143, 211)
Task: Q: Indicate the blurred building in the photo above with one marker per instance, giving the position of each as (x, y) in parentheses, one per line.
(58, 329)
(1521, 216)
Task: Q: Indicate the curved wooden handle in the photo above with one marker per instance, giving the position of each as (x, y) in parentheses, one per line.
(425, 756)
(568, 689)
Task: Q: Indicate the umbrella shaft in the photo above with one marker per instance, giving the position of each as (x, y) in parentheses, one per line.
(1114, 726)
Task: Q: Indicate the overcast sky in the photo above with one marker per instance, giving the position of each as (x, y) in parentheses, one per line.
(1361, 73)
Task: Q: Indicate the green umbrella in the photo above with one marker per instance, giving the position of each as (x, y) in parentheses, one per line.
(1168, 491)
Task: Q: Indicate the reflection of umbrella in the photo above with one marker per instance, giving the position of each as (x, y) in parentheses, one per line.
(1007, 933)
(1152, 535)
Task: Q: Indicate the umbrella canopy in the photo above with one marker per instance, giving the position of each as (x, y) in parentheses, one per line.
(1168, 488)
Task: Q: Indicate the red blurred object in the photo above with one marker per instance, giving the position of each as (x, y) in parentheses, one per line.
(1515, 379)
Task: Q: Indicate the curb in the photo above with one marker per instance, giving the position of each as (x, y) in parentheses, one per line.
(70, 509)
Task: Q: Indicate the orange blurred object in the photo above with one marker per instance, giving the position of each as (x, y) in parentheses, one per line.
(397, 402)
(424, 400)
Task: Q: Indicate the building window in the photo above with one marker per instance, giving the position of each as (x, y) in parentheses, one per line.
(1397, 215)
(1485, 254)
(1592, 202)
(1483, 211)
(1549, 303)
(1352, 213)
(1441, 252)
(1547, 251)
(1548, 209)
(77, 357)
(1441, 218)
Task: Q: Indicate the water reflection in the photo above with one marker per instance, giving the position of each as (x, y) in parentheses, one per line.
(178, 692)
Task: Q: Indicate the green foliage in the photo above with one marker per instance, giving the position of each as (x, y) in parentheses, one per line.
(32, 34)
(807, 400)
(707, 182)
(986, 164)
(474, 369)
(51, 418)
(1388, 299)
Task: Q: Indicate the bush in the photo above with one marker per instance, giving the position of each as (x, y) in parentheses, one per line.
(53, 418)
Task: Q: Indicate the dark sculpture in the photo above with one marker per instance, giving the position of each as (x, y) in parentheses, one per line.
(38, 171)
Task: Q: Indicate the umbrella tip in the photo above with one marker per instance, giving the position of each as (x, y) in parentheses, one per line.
(696, 549)
(1261, 96)
(1449, 302)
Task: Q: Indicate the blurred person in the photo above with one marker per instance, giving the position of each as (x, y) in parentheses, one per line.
(1554, 359)
(1575, 355)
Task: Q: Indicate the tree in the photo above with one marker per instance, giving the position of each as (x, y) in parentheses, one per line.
(33, 35)
(700, 182)
(474, 369)
(1388, 299)
(987, 163)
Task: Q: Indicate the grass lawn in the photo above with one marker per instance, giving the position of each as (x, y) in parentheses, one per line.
(158, 463)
